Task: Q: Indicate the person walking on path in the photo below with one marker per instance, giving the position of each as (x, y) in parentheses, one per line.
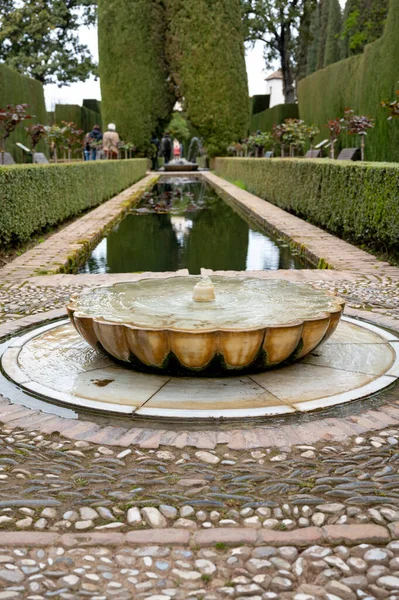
(111, 142)
(167, 147)
(91, 140)
(154, 152)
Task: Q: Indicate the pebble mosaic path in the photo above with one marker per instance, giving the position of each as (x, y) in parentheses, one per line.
(297, 511)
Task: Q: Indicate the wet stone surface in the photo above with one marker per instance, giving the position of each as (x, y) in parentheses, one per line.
(53, 484)
(166, 573)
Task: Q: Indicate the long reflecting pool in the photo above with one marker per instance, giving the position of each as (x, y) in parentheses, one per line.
(183, 224)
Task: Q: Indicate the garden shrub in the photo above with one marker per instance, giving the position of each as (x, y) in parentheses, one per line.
(359, 82)
(205, 48)
(276, 115)
(83, 116)
(355, 201)
(136, 94)
(35, 197)
(18, 89)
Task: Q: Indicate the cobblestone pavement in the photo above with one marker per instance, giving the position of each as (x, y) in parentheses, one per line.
(308, 496)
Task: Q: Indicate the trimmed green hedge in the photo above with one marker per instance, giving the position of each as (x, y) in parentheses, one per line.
(274, 116)
(82, 116)
(18, 89)
(359, 82)
(34, 197)
(355, 201)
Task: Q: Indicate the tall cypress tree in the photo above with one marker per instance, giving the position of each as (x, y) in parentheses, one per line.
(313, 48)
(206, 54)
(332, 50)
(324, 10)
(133, 67)
(363, 23)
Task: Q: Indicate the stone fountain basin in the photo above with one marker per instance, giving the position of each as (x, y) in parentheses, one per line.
(153, 325)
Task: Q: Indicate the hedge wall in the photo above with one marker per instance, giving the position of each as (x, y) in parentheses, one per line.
(205, 48)
(355, 201)
(18, 89)
(34, 197)
(136, 94)
(359, 82)
(274, 116)
(83, 116)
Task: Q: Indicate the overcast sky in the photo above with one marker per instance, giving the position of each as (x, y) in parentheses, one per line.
(75, 93)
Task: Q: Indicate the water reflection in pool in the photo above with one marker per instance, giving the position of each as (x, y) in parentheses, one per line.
(184, 224)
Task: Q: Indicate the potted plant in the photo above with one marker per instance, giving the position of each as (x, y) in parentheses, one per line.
(357, 125)
(10, 117)
(56, 138)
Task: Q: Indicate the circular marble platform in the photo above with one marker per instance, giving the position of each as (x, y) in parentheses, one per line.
(56, 365)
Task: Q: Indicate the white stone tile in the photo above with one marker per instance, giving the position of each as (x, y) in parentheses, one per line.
(302, 382)
(9, 362)
(117, 386)
(355, 394)
(78, 402)
(373, 359)
(181, 413)
(350, 331)
(23, 339)
(207, 394)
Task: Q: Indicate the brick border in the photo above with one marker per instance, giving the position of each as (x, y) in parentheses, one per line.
(63, 249)
(320, 247)
(333, 535)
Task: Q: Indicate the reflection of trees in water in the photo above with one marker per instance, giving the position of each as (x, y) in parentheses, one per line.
(215, 237)
(218, 239)
(143, 243)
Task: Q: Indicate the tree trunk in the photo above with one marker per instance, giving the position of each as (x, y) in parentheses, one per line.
(33, 156)
(332, 150)
(55, 154)
(286, 65)
(362, 147)
(3, 143)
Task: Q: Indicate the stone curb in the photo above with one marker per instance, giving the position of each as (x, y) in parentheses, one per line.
(349, 535)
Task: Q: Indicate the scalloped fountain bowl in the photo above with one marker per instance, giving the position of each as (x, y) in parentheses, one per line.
(191, 325)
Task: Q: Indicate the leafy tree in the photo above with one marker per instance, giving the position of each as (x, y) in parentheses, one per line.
(178, 127)
(357, 125)
(36, 133)
(39, 38)
(277, 23)
(363, 23)
(10, 117)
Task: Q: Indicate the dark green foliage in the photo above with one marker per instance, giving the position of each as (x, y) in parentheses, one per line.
(17, 89)
(70, 113)
(39, 38)
(133, 69)
(92, 104)
(82, 116)
(260, 103)
(206, 53)
(332, 50)
(35, 197)
(355, 201)
(314, 40)
(363, 23)
(274, 116)
(360, 82)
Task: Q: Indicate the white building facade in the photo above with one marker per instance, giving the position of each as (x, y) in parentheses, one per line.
(274, 87)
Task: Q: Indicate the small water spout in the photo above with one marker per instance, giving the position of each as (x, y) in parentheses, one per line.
(204, 290)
